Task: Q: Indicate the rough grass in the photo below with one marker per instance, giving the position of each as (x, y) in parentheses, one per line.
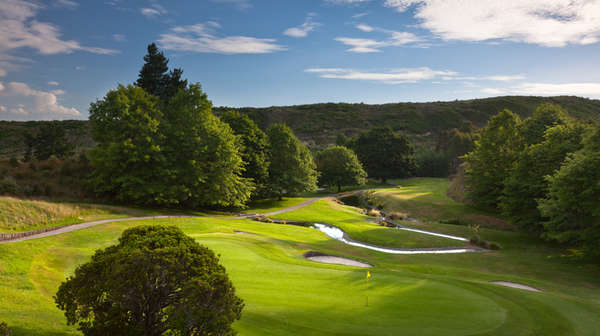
(426, 199)
(18, 215)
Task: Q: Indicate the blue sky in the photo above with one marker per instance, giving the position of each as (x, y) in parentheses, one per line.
(57, 56)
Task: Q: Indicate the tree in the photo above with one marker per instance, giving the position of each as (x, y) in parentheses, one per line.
(255, 148)
(385, 154)
(492, 159)
(51, 140)
(203, 154)
(129, 163)
(571, 204)
(155, 79)
(339, 166)
(292, 167)
(155, 280)
(526, 183)
(545, 116)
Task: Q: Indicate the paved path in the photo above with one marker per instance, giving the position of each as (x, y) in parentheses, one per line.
(104, 221)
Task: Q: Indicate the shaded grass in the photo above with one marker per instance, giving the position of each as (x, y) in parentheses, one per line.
(273, 204)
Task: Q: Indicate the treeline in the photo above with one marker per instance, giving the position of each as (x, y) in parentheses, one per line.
(542, 173)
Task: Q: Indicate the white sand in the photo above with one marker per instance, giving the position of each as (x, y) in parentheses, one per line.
(338, 261)
(516, 285)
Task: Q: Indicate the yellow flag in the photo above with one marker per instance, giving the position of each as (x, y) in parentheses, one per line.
(368, 274)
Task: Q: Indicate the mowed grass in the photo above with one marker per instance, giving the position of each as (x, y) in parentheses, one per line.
(426, 199)
(286, 294)
(273, 204)
(363, 228)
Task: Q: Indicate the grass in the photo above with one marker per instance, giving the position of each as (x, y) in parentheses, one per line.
(286, 294)
(273, 204)
(18, 215)
(426, 199)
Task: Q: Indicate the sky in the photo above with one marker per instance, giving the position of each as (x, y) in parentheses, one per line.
(58, 56)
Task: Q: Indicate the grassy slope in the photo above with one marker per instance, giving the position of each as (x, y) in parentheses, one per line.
(426, 199)
(287, 295)
(18, 215)
(272, 204)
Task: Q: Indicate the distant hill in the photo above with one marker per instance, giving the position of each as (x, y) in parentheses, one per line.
(318, 124)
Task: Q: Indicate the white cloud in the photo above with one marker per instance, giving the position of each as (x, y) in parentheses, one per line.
(551, 23)
(54, 83)
(19, 28)
(364, 27)
(493, 91)
(119, 37)
(346, 2)
(359, 15)
(497, 78)
(67, 3)
(2, 108)
(362, 45)
(547, 89)
(239, 4)
(203, 39)
(302, 30)
(2, 72)
(154, 10)
(79, 67)
(397, 76)
(33, 103)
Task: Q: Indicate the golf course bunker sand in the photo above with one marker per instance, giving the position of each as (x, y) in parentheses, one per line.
(327, 259)
(516, 285)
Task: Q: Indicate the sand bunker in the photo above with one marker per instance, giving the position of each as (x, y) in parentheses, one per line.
(516, 285)
(327, 259)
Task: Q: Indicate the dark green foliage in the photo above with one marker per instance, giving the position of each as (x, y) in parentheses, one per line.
(545, 116)
(203, 154)
(50, 140)
(13, 162)
(255, 149)
(493, 158)
(572, 203)
(4, 329)
(385, 154)
(339, 166)
(155, 281)
(431, 163)
(526, 183)
(128, 161)
(154, 78)
(292, 169)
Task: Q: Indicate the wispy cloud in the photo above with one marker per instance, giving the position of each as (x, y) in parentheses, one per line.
(548, 23)
(396, 76)
(119, 37)
(19, 28)
(302, 30)
(24, 102)
(153, 11)
(364, 27)
(408, 75)
(364, 45)
(591, 90)
(67, 3)
(239, 4)
(359, 15)
(54, 83)
(202, 38)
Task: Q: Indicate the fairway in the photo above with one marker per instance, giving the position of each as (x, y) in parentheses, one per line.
(286, 294)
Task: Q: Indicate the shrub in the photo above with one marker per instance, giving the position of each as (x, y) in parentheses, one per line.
(13, 162)
(373, 213)
(9, 186)
(475, 240)
(494, 246)
(396, 215)
(4, 329)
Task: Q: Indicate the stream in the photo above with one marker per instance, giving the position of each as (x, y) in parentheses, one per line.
(337, 234)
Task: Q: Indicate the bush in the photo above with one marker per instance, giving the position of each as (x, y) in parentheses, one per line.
(494, 246)
(4, 329)
(9, 186)
(13, 162)
(432, 164)
(475, 240)
(396, 215)
(373, 213)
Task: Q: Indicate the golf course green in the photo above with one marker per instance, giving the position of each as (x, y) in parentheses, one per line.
(286, 294)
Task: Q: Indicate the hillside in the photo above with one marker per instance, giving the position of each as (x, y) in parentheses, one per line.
(318, 124)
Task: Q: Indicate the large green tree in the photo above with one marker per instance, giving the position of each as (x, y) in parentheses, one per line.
(129, 164)
(492, 159)
(50, 140)
(255, 149)
(385, 154)
(572, 203)
(338, 166)
(292, 167)
(547, 115)
(205, 165)
(155, 281)
(155, 78)
(526, 183)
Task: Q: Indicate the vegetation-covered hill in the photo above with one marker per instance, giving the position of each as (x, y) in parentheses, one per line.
(318, 124)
